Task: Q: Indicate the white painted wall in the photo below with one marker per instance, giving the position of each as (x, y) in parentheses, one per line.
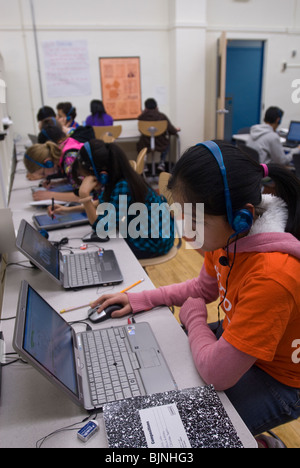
(176, 40)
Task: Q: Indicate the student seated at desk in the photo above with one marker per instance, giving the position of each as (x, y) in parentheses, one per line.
(106, 170)
(98, 117)
(66, 115)
(41, 160)
(63, 160)
(266, 141)
(162, 142)
(252, 264)
(44, 113)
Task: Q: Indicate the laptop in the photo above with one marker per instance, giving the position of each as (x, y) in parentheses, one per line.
(7, 232)
(33, 138)
(60, 221)
(125, 360)
(293, 136)
(70, 271)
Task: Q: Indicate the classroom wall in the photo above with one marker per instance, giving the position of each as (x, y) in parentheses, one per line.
(177, 43)
(275, 21)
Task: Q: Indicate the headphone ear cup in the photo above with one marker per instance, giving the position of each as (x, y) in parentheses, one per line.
(242, 221)
(49, 164)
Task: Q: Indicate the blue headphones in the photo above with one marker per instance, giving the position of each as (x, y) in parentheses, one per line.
(241, 220)
(47, 165)
(103, 176)
(69, 114)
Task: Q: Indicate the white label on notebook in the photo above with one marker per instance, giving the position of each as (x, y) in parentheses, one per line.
(163, 427)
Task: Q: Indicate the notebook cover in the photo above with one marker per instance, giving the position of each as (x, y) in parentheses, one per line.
(202, 413)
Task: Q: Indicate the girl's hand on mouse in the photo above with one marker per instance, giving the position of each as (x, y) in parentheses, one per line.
(109, 299)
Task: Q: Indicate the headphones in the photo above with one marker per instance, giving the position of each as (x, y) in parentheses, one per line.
(241, 220)
(103, 176)
(69, 114)
(46, 165)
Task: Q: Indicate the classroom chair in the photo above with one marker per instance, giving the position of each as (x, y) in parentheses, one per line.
(162, 184)
(108, 134)
(133, 164)
(152, 129)
(140, 161)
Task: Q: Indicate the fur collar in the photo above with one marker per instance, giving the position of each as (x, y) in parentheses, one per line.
(272, 216)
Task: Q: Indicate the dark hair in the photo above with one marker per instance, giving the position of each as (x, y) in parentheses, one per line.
(44, 113)
(97, 107)
(272, 114)
(67, 109)
(51, 130)
(150, 104)
(111, 158)
(197, 179)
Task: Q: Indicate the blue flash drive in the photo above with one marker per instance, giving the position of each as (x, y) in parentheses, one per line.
(87, 431)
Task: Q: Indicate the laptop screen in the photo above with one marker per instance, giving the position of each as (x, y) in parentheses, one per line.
(294, 132)
(41, 250)
(48, 339)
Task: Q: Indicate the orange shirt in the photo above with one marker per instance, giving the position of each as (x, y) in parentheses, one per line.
(262, 308)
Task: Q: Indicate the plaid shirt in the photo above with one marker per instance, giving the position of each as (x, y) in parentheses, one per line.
(156, 236)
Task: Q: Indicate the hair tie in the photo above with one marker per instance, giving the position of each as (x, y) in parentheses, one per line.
(266, 170)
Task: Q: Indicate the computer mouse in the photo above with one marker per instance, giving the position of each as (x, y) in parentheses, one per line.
(104, 315)
(93, 237)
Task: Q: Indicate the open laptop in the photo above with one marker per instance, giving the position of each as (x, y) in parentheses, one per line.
(70, 271)
(293, 137)
(60, 221)
(7, 232)
(128, 360)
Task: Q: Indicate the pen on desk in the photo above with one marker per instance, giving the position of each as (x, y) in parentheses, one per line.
(52, 207)
(63, 311)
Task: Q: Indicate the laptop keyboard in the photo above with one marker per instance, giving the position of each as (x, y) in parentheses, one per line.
(111, 367)
(84, 269)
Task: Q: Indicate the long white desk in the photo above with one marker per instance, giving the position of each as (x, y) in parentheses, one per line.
(31, 407)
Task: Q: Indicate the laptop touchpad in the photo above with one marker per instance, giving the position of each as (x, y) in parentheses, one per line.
(148, 358)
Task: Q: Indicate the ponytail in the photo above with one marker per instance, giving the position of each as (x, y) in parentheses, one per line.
(287, 187)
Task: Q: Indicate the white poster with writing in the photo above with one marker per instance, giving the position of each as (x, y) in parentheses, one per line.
(67, 68)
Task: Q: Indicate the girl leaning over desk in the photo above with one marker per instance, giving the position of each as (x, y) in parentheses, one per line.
(106, 172)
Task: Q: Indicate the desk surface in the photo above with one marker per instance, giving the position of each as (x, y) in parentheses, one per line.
(31, 407)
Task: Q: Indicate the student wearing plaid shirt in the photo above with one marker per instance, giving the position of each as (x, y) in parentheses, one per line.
(107, 171)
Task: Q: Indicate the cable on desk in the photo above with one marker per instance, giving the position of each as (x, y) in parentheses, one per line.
(71, 427)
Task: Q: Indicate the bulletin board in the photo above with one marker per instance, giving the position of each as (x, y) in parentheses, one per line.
(121, 87)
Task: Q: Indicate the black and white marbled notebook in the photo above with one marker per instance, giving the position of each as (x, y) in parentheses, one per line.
(201, 413)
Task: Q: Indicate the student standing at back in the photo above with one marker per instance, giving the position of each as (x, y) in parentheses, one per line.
(98, 117)
(162, 142)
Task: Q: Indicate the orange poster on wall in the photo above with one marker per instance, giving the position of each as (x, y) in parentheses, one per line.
(121, 87)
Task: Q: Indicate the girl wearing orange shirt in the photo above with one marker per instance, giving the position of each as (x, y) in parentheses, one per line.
(252, 264)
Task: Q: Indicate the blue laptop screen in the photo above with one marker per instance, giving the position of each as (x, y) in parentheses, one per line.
(48, 339)
(294, 131)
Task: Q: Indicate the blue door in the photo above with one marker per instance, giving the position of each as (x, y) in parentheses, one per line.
(244, 76)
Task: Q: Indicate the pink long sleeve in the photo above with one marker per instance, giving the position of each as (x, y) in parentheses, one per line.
(205, 286)
(217, 361)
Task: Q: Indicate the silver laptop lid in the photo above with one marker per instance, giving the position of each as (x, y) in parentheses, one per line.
(39, 250)
(46, 341)
(7, 232)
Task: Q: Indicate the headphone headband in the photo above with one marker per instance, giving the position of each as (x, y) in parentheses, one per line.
(241, 220)
(47, 165)
(103, 176)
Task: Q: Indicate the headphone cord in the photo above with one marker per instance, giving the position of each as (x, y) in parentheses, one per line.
(227, 279)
